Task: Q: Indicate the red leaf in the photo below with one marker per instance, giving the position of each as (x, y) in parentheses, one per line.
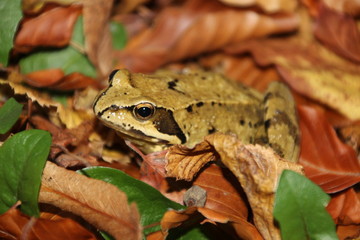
(345, 208)
(51, 28)
(339, 32)
(327, 161)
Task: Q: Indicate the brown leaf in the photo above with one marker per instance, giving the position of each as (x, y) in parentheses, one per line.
(44, 78)
(194, 28)
(172, 219)
(344, 208)
(98, 43)
(311, 70)
(258, 170)
(184, 163)
(99, 203)
(351, 7)
(327, 161)
(52, 28)
(339, 32)
(15, 225)
(271, 6)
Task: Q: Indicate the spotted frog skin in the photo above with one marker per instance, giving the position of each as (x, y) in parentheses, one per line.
(166, 108)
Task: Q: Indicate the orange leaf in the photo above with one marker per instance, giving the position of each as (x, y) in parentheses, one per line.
(184, 163)
(271, 6)
(51, 28)
(98, 202)
(327, 161)
(339, 32)
(345, 208)
(194, 28)
(15, 225)
(44, 78)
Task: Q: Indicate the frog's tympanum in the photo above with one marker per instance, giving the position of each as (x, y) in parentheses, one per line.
(156, 111)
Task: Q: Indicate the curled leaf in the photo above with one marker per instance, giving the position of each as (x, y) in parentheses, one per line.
(258, 170)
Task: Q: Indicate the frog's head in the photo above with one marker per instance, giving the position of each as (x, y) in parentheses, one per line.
(127, 108)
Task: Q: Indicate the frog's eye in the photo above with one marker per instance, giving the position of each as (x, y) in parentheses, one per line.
(112, 74)
(144, 111)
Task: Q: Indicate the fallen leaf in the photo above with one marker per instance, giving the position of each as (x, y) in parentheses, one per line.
(15, 225)
(197, 27)
(52, 28)
(339, 32)
(258, 170)
(351, 7)
(327, 161)
(311, 70)
(184, 163)
(99, 203)
(272, 6)
(344, 208)
(173, 219)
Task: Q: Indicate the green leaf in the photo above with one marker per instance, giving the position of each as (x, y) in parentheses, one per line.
(9, 114)
(69, 59)
(22, 159)
(150, 202)
(118, 33)
(300, 209)
(10, 12)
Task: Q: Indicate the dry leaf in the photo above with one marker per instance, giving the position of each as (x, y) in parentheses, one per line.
(197, 27)
(339, 32)
(52, 28)
(327, 161)
(312, 70)
(351, 7)
(98, 202)
(184, 163)
(172, 219)
(271, 6)
(345, 208)
(98, 43)
(258, 170)
(15, 225)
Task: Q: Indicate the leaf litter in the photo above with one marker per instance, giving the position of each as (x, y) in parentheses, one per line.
(277, 41)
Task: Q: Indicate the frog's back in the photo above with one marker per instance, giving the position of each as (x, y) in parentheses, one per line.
(179, 90)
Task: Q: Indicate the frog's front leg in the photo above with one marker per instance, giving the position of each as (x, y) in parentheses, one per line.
(281, 123)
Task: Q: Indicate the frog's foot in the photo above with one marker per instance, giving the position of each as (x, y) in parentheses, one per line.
(281, 123)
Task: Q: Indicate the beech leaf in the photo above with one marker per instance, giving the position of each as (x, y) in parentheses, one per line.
(22, 159)
(10, 12)
(300, 209)
(197, 27)
(9, 114)
(69, 59)
(97, 202)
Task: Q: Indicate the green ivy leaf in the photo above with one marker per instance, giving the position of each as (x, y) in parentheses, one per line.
(11, 14)
(22, 159)
(69, 59)
(9, 114)
(118, 34)
(300, 209)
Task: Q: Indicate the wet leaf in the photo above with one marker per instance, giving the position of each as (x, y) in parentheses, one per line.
(22, 158)
(11, 15)
(9, 114)
(305, 217)
(99, 203)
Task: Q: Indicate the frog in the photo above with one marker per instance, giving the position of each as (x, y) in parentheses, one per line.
(165, 108)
